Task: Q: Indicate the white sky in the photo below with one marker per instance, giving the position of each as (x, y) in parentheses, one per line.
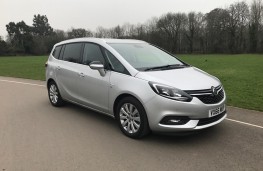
(89, 14)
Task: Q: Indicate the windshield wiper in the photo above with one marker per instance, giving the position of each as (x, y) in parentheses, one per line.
(165, 67)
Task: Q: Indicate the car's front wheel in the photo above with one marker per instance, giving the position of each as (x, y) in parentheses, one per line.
(132, 118)
(54, 95)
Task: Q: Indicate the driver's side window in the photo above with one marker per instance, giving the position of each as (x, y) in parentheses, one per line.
(92, 53)
(114, 63)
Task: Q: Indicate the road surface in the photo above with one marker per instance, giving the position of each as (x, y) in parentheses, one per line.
(36, 136)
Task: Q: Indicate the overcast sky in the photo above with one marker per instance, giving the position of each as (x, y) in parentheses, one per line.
(89, 14)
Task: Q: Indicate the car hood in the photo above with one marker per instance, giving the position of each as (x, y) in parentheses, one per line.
(189, 78)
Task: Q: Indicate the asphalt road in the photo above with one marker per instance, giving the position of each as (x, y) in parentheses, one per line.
(35, 136)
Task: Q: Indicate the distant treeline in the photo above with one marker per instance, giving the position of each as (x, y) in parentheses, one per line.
(235, 29)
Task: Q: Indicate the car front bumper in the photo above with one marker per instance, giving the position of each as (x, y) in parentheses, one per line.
(197, 112)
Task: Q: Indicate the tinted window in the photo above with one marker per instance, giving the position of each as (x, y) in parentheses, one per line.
(92, 53)
(61, 52)
(115, 64)
(72, 52)
(56, 51)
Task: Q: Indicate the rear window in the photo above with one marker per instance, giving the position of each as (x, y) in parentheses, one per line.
(56, 51)
(72, 52)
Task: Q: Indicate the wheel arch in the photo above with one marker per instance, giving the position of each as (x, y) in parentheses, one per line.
(122, 96)
(49, 81)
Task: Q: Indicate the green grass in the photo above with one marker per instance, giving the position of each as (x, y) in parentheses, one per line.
(31, 67)
(241, 75)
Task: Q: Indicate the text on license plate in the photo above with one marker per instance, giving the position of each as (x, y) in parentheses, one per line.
(216, 111)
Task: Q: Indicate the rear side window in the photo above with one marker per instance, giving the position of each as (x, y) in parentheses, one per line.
(92, 53)
(72, 52)
(56, 51)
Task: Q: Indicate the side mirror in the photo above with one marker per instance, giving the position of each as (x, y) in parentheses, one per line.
(97, 65)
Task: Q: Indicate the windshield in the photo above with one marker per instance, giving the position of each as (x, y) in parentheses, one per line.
(143, 56)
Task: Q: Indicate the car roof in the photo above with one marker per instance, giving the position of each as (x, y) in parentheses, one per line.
(100, 40)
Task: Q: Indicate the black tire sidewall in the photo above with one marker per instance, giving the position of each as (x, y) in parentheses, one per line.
(60, 101)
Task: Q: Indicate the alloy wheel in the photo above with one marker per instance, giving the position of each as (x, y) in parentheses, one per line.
(53, 93)
(130, 118)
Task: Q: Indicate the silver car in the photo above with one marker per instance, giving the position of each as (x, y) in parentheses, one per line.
(142, 86)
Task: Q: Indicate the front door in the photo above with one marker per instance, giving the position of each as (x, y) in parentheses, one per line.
(93, 88)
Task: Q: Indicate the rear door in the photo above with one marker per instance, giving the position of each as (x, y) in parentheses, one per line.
(67, 70)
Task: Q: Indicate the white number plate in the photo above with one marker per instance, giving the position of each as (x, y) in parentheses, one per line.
(216, 111)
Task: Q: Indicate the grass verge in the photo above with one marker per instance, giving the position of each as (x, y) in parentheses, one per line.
(31, 67)
(241, 75)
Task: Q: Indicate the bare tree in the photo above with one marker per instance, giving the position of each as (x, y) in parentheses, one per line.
(256, 13)
(238, 20)
(128, 30)
(194, 24)
(102, 33)
(79, 32)
(237, 28)
(118, 32)
(171, 26)
(217, 22)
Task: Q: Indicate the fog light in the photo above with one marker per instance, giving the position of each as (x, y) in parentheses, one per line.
(174, 120)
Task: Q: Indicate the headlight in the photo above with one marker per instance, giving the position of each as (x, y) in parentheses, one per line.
(170, 92)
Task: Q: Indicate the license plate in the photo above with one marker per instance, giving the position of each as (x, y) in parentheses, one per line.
(216, 111)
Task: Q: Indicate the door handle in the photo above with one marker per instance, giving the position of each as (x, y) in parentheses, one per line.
(58, 68)
(81, 74)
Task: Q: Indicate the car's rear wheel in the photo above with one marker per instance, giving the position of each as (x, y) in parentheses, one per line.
(132, 118)
(54, 95)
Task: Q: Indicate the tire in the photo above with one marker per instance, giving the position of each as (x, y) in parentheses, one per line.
(54, 95)
(132, 118)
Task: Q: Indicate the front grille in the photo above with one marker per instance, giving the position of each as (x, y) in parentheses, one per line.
(206, 121)
(211, 99)
(207, 96)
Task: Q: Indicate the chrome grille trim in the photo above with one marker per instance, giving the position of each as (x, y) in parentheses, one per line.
(207, 96)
